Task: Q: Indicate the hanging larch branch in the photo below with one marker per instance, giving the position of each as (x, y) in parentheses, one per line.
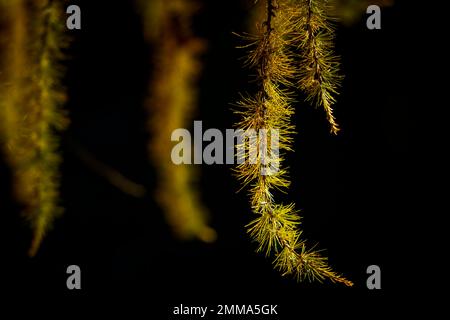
(318, 74)
(31, 107)
(173, 98)
(276, 227)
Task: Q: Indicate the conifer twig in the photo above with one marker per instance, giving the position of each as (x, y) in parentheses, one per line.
(319, 74)
(32, 100)
(276, 227)
(113, 176)
(172, 101)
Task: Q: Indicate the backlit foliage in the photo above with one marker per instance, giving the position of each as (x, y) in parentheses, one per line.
(319, 68)
(173, 98)
(292, 46)
(31, 99)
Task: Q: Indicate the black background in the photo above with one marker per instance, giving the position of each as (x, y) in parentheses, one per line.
(356, 191)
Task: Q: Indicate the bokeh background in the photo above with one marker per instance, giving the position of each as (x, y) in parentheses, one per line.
(355, 190)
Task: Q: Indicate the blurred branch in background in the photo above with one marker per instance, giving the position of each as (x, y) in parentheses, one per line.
(31, 100)
(113, 176)
(171, 105)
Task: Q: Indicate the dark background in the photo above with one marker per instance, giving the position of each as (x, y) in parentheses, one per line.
(356, 191)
